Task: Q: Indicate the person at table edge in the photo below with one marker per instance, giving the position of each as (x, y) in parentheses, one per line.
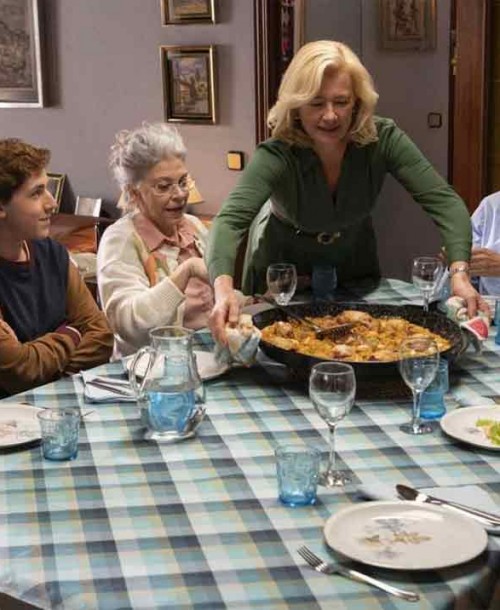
(49, 323)
(485, 259)
(150, 267)
(309, 190)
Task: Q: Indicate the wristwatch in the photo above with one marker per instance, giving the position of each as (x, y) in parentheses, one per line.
(464, 268)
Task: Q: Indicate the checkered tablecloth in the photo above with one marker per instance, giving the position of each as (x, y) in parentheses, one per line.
(134, 524)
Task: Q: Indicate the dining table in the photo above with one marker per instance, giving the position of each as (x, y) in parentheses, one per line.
(132, 523)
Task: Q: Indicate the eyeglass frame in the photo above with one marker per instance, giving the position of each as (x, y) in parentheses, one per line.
(169, 188)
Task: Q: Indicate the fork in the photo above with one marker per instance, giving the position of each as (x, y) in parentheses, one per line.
(329, 568)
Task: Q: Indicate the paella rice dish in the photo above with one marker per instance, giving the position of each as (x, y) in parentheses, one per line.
(370, 339)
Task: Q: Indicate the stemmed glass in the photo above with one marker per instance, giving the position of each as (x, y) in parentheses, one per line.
(425, 274)
(332, 386)
(282, 282)
(418, 364)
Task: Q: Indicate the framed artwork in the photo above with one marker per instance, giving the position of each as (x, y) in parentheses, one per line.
(188, 84)
(88, 206)
(21, 84)
(179, 12)
(407, 25)
(55, 186)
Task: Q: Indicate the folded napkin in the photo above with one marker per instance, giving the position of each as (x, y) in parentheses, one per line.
(478, 326)
(243, 341)
(112, 390)
(469, 495)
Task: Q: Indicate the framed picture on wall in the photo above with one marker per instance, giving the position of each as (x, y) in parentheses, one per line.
(55, 186)
(407, 25)
(21, 84)
(179, 12)
(189, 84)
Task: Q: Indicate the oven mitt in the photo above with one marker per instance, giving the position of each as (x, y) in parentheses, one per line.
(243, 341)
(478, 327)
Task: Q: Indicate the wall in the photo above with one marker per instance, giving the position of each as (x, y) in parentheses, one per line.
(105, 75)
(411, 84)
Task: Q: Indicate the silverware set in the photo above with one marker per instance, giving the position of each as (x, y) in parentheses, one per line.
(116, 386)
(485, 518)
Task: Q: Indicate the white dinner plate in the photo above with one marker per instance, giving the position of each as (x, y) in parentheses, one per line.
(208, 367)
(18, 424)
(404, 535)
(461, 424)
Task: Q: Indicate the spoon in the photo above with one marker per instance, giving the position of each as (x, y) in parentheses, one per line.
(333, 332)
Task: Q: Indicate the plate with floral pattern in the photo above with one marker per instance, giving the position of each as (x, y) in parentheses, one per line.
(404, 536)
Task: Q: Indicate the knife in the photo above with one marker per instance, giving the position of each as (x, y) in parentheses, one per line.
(110, 388)
(408, 493)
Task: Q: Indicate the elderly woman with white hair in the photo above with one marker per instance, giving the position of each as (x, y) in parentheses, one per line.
(150, 266)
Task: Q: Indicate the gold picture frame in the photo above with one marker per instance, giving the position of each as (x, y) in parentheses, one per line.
(55, 186)
(185, 12)
(407, 25)
(21, 83)
(189, 84)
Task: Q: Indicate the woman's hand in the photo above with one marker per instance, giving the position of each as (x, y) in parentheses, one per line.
(226, 309)
(461, 287)
(191, 267)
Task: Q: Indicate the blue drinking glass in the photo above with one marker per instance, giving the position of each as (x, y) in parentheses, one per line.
(298, 471)
(59, 430)
(497, 322)
(324, 282)
(432, 405)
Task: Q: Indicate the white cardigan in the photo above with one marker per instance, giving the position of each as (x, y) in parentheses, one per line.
(130, 303)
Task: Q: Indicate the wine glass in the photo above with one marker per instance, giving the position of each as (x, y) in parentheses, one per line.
(418, 364)
(332, 386)
(426, 271)
(282, 282)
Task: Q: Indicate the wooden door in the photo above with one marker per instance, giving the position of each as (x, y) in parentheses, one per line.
(469, 98)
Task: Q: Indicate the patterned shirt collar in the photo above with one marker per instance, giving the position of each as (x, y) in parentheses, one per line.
(154, 239)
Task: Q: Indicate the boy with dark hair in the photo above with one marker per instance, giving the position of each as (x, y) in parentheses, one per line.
(49, 323)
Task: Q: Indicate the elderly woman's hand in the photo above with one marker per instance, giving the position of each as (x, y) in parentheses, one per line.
(226, 309)
(461, 287)
(191, 267)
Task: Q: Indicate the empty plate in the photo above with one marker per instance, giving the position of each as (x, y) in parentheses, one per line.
(18, 424)
(404, 535)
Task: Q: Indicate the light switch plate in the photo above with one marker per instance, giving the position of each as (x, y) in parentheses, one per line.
(235, 160)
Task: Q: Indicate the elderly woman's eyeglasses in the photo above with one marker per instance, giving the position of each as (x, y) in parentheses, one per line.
(167, 189)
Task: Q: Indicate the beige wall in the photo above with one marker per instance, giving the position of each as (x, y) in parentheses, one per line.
(105, 76)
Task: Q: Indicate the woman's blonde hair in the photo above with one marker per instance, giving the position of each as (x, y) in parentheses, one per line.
(302, 82)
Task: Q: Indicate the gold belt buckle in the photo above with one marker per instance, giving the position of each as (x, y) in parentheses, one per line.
(326, 239)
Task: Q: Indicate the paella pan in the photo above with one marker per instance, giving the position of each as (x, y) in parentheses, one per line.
(434, 322)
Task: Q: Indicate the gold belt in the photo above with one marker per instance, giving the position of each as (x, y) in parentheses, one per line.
(323, 237)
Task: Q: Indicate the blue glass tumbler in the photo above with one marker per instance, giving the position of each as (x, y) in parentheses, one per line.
(432, 405)
(298, 472)
(497, 322)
